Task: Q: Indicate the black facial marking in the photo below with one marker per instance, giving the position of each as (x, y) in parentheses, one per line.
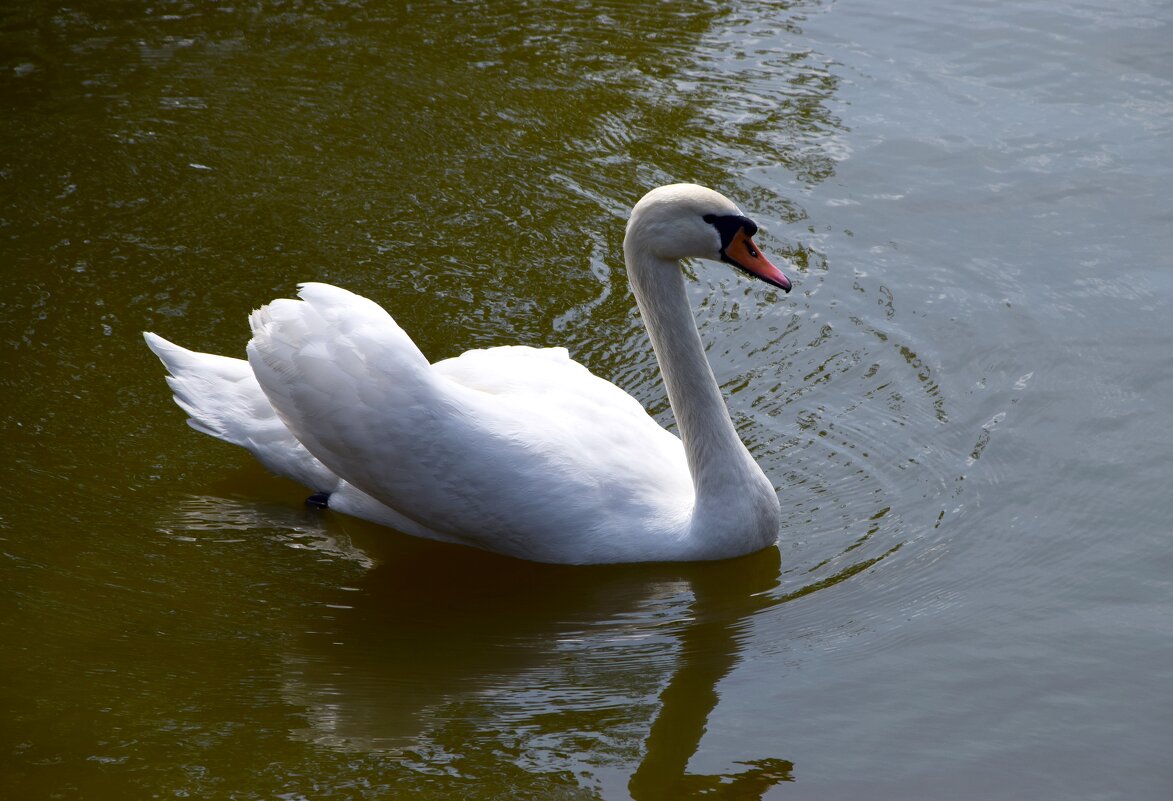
(727, 226)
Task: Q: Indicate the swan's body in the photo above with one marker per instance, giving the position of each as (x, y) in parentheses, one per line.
(516, 450)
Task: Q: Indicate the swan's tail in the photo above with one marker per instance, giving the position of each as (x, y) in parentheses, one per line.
(223, 399)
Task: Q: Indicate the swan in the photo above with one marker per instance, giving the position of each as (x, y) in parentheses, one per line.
(511, 449)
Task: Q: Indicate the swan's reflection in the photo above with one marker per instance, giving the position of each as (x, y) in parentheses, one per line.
(440, 643)
(725, 594)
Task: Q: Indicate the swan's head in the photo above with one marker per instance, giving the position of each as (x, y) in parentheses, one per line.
(682, 221)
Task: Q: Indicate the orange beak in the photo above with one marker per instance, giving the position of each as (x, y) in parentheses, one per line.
(743, 253)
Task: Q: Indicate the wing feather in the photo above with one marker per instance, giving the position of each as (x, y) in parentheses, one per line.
(500, 447)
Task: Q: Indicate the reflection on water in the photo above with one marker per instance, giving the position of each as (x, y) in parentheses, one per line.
(194, 519)
(439, 654)
(542, 658)
(725, 597)
(442, 655)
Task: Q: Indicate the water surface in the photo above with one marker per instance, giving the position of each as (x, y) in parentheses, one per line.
(964, 405)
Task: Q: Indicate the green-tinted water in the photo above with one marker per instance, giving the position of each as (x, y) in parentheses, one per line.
(964, 405)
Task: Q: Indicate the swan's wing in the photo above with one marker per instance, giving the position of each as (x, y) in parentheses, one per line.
(505, 369)
(332, 364)
(521, 371)
(502, 469)
(223, 399)
(541, 395)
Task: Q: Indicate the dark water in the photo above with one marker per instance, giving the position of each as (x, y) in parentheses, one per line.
(965, 405)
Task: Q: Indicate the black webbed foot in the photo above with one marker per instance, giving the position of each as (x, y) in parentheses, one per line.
(319, 500)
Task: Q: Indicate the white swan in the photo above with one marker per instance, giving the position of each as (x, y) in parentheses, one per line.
(516, 450)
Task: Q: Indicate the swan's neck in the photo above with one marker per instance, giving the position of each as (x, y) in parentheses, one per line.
(734, 499)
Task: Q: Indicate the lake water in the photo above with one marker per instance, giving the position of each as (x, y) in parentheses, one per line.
(965, 404)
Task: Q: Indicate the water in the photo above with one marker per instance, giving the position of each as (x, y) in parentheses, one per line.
(964, 404)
